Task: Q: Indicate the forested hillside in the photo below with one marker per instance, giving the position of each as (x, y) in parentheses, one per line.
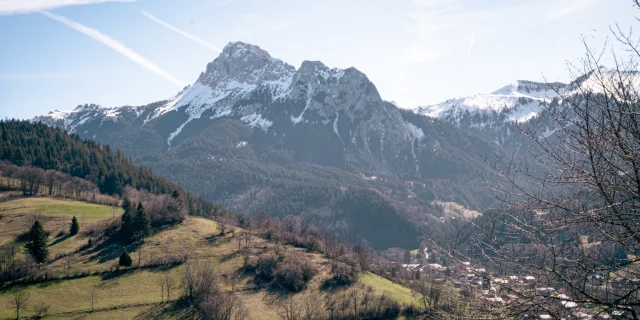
(26, 143)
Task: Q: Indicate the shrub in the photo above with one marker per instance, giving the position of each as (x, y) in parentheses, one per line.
(343, 273)
(389, 309)
(289, 276)
(266, 265)
(41, 310)
(293, 275)
(308, 271)
(125, 259)
(250, 263)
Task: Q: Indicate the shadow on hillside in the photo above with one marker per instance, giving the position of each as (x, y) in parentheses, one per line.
(123, 272)
(116, 274)
(60, 239)
(173, 310)
(230, 256)
(331, 285)
(48, 283)
(110, 249)
(217, 239)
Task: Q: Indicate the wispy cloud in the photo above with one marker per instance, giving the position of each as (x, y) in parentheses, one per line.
(117, 46)
(182, 32)
(53, 75)
(567, 7)
(24, 6)
(473, 37)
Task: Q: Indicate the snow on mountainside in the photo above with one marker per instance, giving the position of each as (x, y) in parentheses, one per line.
(72, 120)
(246, 83)
(256, 111)
(517, 102)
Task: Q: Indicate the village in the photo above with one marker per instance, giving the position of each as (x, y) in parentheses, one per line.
(498, 292)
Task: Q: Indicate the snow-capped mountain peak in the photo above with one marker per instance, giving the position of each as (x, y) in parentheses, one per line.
(246, 84)
(516, 102)
(530, 89)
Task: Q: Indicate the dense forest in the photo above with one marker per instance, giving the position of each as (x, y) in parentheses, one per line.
(26, 143)
(48, 150)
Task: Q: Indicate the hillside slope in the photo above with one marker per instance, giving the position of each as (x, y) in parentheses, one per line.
(136, 292)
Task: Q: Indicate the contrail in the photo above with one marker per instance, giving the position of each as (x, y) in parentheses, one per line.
(25, 6)
(182, 32)
(117, 46)
(473, 36)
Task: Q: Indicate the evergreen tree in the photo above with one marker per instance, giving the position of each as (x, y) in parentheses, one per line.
(125, 259)
(142, 222)
(37, 242)
(126, 229)
(407, 257)
(75, 227)
(126, 204)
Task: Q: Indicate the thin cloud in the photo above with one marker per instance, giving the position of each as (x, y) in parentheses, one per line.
(568, 7)
(52, 75)
(182, 32)
(24, 6)
(473, 37)
(117, 46)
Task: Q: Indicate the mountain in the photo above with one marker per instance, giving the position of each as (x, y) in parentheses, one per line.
(528, 105)
(494, 113)
(258, 134)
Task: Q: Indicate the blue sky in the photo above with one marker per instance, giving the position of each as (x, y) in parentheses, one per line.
(57, 54)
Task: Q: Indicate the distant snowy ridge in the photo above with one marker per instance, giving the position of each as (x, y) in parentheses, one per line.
(519, 102)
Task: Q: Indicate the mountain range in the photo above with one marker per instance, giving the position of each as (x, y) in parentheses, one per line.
(257, 134)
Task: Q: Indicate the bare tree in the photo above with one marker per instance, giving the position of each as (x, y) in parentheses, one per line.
(20, 298)
(430, 294)
(239, 236)
(364, 255)
(41, 310)
(311, 309)
(569, 218)
(222, 226)
(68, 263)
(50, 178)
(289, 309)
(140, 254)
(162, 283)
(201, 289)
(31, 218)
(92, 293)
(169, 283)
(291, 224)
(247, 234)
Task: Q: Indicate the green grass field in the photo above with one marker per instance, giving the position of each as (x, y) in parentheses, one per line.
(392, 290)
(55, 215)
(58, 207)
(64, 296)
(136, 294)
